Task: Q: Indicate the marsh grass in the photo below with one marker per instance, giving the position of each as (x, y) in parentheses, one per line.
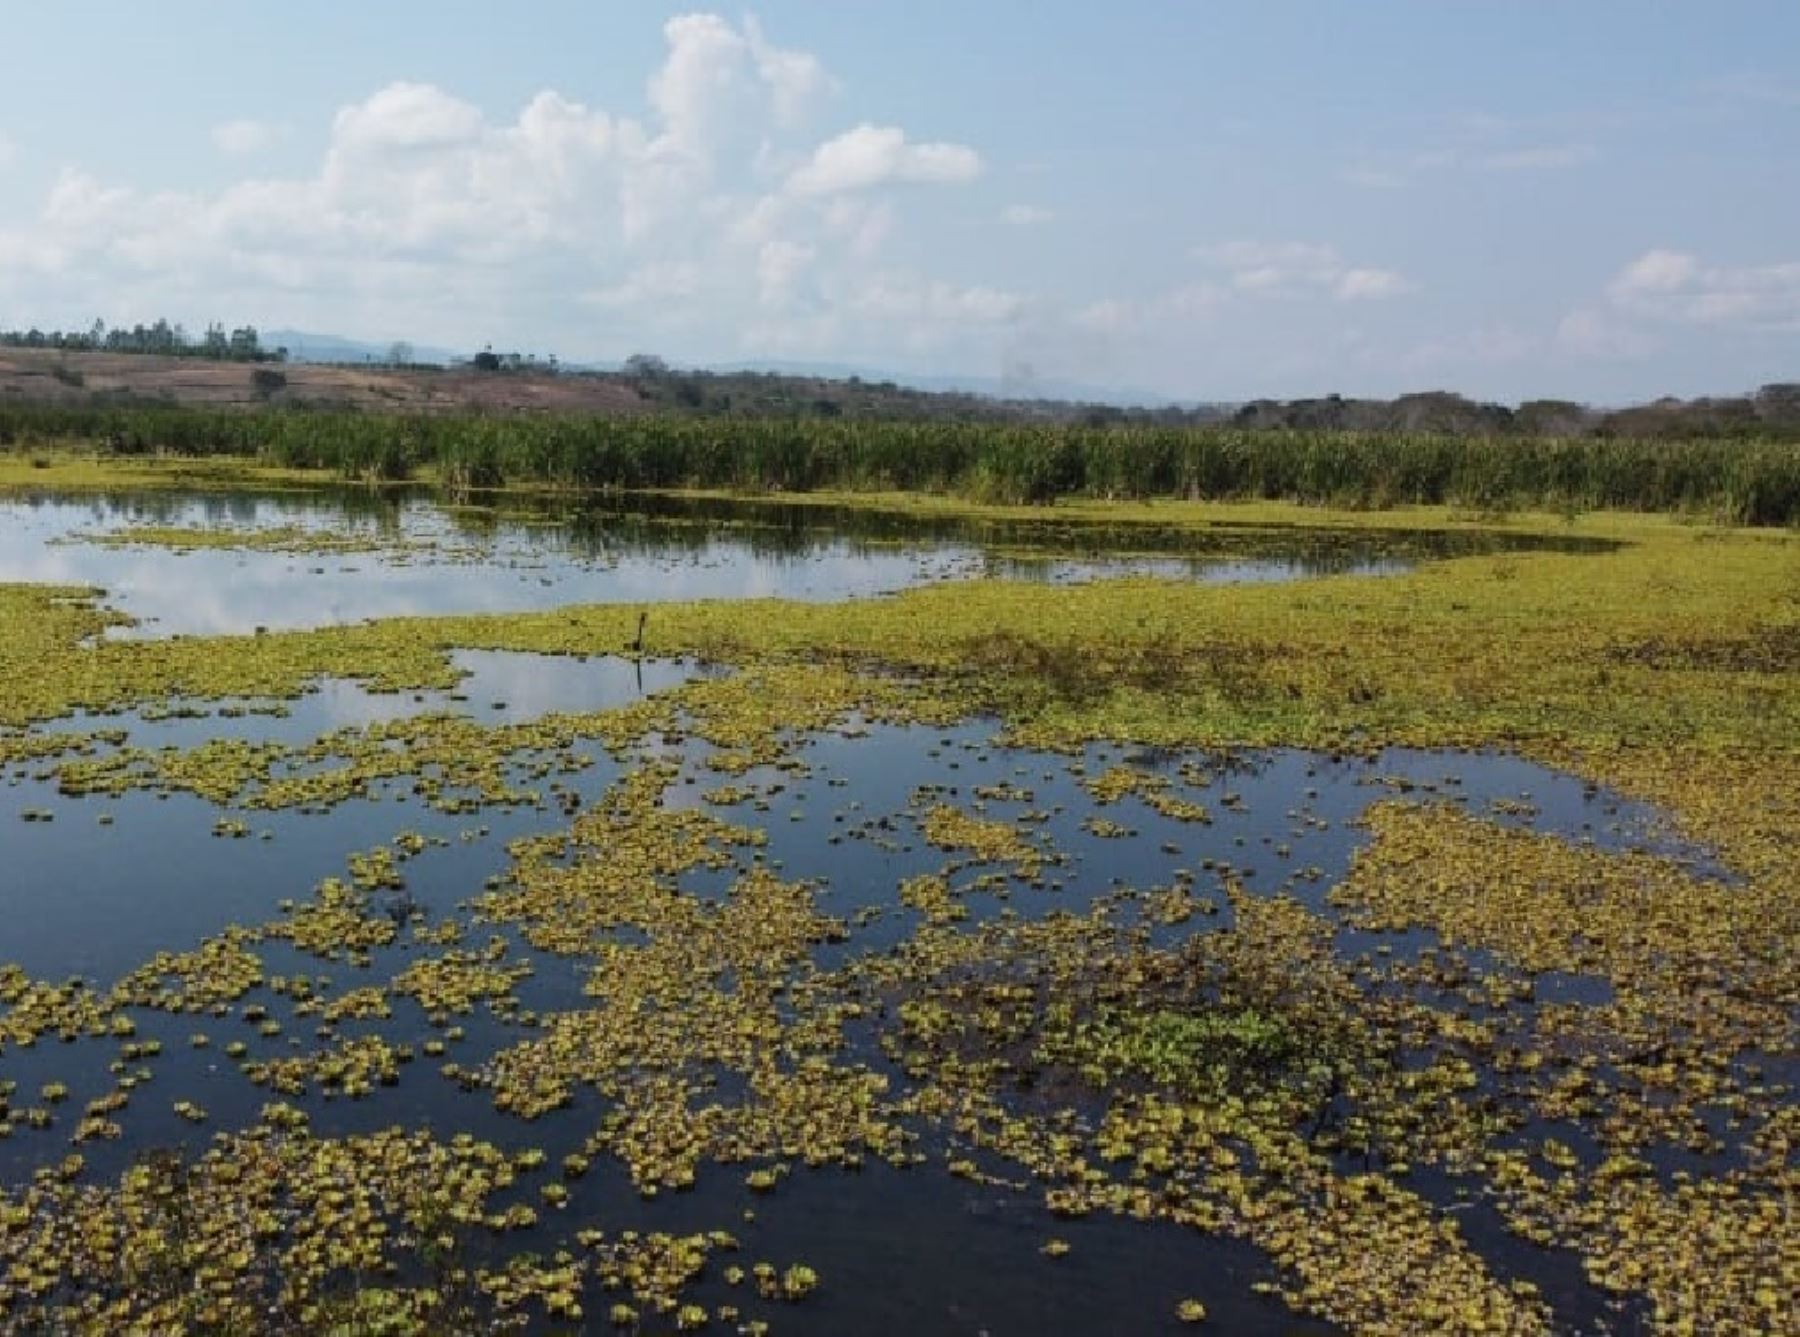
(1744, 481)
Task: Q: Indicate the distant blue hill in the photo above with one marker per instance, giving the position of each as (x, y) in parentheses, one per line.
(304, 346)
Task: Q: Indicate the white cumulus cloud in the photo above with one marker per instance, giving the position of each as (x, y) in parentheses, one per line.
(1369, 284)
(795, 79)
(1677, 286)
(712, 214)
(720, 81)
(875, 155)
(1658, 271)
(406, 116)
(1297, 268)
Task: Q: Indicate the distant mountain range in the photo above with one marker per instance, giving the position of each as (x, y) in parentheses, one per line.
(305, 346)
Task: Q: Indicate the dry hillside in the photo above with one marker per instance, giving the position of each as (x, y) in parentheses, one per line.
(53, 376)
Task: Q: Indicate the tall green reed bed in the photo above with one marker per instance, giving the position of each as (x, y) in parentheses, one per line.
(1745, 481)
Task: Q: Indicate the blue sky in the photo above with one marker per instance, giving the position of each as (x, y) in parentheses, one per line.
(1595, 200)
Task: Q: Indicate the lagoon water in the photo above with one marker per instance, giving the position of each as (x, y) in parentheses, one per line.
(901, 1251)
(904, 1250)
(425, 557)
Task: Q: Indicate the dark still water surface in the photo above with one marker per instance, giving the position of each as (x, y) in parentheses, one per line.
(421, 557)
(902, 1251)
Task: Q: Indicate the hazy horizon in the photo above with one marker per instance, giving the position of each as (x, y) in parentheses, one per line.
(1217, 202)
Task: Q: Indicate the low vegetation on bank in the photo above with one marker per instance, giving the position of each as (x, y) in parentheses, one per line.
(1753, 482)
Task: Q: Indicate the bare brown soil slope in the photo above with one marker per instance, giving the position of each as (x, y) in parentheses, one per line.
(51, 376)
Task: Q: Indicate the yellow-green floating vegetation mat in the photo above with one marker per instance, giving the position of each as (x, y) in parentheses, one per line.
(1253, 1078)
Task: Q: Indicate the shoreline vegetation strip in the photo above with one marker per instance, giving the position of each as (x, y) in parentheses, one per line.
(1744, 480)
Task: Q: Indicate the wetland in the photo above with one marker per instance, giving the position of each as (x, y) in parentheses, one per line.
(889, 913)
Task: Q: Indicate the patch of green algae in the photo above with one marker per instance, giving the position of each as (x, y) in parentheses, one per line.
(269, 538)
(73, 470)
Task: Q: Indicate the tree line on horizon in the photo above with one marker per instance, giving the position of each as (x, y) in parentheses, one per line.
(1773, 411)
(216, 344)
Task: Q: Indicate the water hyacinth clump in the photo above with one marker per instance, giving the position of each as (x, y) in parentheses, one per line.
(1399, 954)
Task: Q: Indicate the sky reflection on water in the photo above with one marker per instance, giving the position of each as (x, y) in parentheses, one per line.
(432, 559)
